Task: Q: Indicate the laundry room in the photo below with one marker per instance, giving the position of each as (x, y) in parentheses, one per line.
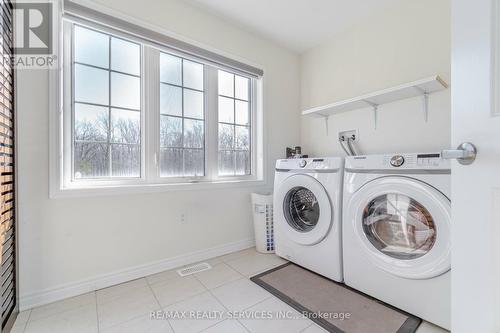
(373, 56)
(250, 166)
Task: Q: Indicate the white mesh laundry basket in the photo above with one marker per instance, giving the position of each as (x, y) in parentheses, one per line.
(262, 205)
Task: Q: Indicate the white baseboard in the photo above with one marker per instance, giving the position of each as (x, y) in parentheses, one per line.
(80, 287)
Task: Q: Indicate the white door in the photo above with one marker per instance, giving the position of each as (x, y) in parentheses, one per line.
(476, 188)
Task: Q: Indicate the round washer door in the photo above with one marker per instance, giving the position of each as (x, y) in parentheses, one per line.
(403, 226)
(306, 208)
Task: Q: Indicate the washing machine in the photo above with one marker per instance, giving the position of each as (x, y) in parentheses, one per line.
(308, 212)
(396, 231)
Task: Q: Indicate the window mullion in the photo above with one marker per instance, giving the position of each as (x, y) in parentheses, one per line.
(234, 125)
(152, 113)
(67, 153)
(257, 126)
(211, 122)
(110, 158)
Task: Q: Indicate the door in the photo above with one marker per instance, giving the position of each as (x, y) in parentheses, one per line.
(476, 187)
(8, 274)
(306, 212)
(403, 226)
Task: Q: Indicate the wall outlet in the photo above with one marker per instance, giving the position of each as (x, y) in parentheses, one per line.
(183, 218)
(352, 134)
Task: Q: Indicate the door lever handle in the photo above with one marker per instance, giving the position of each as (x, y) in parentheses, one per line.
(465, 153)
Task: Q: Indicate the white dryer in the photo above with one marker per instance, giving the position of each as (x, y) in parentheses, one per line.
(307, 213)
(396, 231)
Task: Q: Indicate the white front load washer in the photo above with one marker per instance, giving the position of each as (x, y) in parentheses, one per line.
(396, 231)
(307, 213)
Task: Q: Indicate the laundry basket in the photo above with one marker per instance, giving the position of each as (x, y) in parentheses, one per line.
(262, 205)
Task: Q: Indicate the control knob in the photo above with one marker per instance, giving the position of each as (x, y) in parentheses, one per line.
(397, 161)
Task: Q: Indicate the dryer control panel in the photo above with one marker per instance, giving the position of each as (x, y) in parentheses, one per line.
(423, 161)
(413, 160)
(429, 159)
(399, 160)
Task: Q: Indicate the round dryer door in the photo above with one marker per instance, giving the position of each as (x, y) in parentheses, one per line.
(306, 208)
(403, 226)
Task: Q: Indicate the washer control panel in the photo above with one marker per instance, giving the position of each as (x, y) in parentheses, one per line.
(321, 163)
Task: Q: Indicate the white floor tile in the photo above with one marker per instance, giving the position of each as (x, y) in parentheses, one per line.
(294, 323)
(227, 326)
(172, 274)
(126, 307)
(18, 327)
(235, 255)
(274, 261)
(254, 263)
(143, 324)
(61, 306)
(314, 329)
(240, 294)
(200, 305)
(176, 290)
(78, 320)
(110, 293)
(212, 261)
(427, 327)
(21, 321)
(119, 309)
(23, 316)
(163, 276)
(217, 276)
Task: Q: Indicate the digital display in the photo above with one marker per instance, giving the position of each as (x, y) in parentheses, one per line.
(318, 160)
(428, 156)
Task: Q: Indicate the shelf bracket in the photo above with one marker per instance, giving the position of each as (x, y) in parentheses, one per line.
(426, 106)
(326, 124)
(425, 102)
(375, 111)
(375, 115)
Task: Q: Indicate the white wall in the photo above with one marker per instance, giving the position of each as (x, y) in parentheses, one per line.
(407, 42)
(68, 246)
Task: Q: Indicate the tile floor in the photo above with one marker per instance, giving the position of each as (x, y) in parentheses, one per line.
(126, 308)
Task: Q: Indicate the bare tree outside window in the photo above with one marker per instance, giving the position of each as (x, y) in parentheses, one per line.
(107, 106)
(234, 124)
(139, 113)
(182, 114)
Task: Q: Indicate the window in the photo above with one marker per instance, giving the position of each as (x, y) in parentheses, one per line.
(234, 124)
(106, 106)
(137, 113)
(182, 125)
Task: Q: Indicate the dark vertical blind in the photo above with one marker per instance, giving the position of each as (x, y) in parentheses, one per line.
(7, 212)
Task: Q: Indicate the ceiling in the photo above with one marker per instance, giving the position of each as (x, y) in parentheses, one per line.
(295, 24)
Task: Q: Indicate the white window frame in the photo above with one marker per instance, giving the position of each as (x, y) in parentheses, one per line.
(61, 182)
(253, 135)
(68, 114)
(155, 82)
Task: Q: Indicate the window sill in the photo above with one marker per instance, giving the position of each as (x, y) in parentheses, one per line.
(112, 190)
